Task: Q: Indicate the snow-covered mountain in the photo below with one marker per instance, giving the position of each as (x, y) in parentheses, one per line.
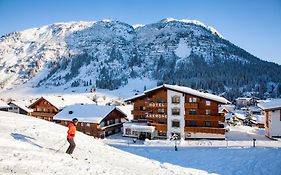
(107, 54)
(33, 146)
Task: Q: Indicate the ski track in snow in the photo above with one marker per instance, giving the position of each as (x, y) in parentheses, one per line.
(28, 146)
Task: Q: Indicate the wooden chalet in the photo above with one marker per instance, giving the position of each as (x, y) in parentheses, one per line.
(94, 120)
(169, 110)
(48, 106)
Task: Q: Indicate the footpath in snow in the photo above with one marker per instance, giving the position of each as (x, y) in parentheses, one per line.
(28, 146)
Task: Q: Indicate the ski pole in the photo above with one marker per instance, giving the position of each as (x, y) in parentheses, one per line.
(60, 147)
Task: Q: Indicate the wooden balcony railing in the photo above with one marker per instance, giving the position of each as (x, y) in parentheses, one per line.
(205, 130)
(42, 114)
(205, 117)
(191, 105)
(138, 112)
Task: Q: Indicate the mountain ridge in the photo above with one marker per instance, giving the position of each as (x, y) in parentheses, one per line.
(107, 53)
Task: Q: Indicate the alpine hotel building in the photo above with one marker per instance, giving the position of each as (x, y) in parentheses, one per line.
(170, 110)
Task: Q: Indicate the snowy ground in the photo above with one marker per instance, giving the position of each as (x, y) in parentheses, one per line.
(234, 156)
(28, 146)
(238, 136)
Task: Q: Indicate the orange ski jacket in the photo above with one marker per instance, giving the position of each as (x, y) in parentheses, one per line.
(71, 130)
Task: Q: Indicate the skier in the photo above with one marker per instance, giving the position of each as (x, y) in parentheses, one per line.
(71, 134)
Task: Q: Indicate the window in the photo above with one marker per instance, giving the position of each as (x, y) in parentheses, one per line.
(81, 124)
(192, 100)
(110, 122)
(135, 133)
(162, 133)
(175, 111)
(208, 103)
(142, 108)
(117, 120)
(192, 123)
(142, 117)
(160, 100)
(192, 112)
(128, 131)
(88, 124)
(161, 110)
(175, 99)
(162, 121)
(208, 124)
(176, 124)
(208, 112)
(102, 124)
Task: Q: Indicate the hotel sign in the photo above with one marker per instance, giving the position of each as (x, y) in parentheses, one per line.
(156, 116)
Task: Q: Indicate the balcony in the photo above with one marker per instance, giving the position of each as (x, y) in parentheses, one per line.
(204, 130)
(205, 117)
(138, 112)
(191, 105)
(42, 114)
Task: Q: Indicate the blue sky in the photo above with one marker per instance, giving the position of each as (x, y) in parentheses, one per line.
(254, 25)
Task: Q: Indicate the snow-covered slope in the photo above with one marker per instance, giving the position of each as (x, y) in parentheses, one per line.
(108, 54)
(28, 146)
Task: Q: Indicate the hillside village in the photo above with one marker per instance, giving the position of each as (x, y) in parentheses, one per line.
(164, 112)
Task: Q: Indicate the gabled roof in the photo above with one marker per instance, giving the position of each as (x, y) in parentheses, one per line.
(61, 102)
(270, 105)
(3, 104)
(85, 113)
(184, 89)
(21, 105)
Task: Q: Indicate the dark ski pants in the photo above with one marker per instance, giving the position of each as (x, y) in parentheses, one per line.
(71, 146)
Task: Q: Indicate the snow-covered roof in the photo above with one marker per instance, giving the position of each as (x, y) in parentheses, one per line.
(127, 109)
(84, 113)
(254, 109)
(61, 102)
(228, 115)
(270, 105)
(259, 118)
(140, 127)
(186, 90)
(240, 114)
(229, 108)
(21, 105)
(244, 98)
(3, 104)
(134, 97)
